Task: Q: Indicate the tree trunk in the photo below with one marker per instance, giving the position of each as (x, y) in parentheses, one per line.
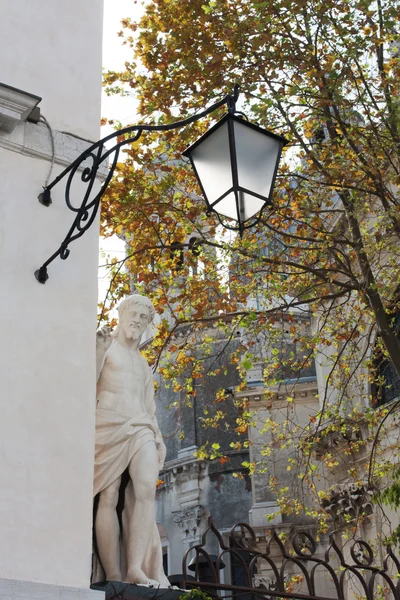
(389, 337)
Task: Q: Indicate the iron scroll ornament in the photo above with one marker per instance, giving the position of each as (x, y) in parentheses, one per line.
(97, 154)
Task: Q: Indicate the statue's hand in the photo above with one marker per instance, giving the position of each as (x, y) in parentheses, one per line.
(103, 339)
(103, 342)
(104, 332)
(162, 451)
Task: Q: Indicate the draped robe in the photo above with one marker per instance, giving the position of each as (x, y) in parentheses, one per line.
(119, 432)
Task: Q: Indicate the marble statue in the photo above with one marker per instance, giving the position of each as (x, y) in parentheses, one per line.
(127, 438)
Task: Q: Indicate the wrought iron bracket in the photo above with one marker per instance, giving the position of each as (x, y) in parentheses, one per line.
(97, 154)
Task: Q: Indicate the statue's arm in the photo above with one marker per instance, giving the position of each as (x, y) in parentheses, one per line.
(150, 403)
(103, 342)
(151, 407)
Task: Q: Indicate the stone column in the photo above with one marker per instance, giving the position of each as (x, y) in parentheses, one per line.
(47, 366)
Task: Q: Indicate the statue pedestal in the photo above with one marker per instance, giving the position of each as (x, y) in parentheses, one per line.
(117, 590)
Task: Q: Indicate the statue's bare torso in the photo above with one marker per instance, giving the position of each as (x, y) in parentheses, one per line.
(124, 381)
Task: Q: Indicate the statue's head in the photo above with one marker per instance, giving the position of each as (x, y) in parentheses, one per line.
(135, 313)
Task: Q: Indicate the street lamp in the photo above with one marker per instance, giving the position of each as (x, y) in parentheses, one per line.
(235, 163)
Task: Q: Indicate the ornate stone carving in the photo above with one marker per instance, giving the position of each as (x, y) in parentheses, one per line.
(189, 519)
(268, 582)
(344, 432)
(349, 501)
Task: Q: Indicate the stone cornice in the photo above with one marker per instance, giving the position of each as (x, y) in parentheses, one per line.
(300, 392)
(15, 106)
(186, 463)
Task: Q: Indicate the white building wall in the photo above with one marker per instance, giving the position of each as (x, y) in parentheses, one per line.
(52, 48)
(47, 365)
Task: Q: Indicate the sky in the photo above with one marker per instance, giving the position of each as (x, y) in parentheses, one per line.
(121, 108)
(115, 54)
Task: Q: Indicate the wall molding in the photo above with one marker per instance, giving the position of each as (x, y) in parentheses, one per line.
(35, 140)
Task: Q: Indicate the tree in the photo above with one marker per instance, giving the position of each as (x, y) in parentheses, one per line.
(324, 74)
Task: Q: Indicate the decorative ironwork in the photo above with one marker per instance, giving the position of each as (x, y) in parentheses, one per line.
(296, 569)
(95, 156)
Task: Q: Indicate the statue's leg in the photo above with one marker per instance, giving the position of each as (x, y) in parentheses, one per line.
(154, 560)
(107, 531)
(143, 471)
(129, 503)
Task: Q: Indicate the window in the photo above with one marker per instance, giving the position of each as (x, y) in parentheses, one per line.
(176, 253)
(239, 575)
(387, 386)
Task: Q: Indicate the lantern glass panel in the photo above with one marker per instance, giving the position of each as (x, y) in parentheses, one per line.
(227, 207)
(213, 163)
(257, 155)
(252, 206)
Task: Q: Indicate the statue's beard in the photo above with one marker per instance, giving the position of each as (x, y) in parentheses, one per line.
(133, 333)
